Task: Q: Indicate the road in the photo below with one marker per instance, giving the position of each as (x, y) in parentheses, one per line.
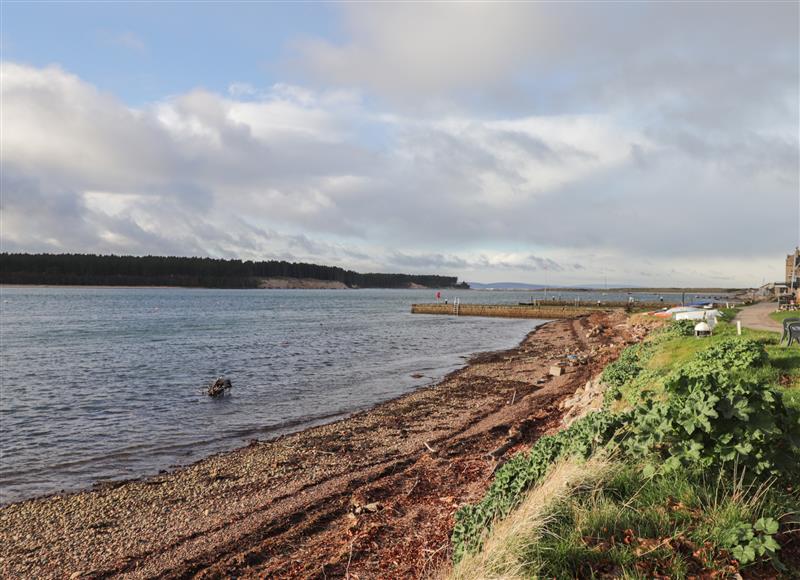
(756, 317)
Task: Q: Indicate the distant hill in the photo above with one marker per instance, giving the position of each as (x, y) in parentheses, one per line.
(505, 286)
(526, 286)
(98, 270)
(595, 287)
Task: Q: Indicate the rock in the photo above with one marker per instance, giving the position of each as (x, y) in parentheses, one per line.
(585, 400)
(372, 507)
(219, 387)
(595, 331)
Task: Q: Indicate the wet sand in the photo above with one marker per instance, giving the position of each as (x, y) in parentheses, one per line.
(370, 496)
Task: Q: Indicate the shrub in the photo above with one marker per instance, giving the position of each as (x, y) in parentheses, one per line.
(628, 366)
(731, 354)
(716, 413)
(678, 328)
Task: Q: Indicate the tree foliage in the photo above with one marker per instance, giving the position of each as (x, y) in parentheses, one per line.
(111, 270)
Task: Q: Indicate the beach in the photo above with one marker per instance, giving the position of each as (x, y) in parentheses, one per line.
(372, 495)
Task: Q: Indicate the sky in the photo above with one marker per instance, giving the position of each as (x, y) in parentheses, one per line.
(646, 143)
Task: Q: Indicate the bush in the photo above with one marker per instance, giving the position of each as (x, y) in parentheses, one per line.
(628, 366)
(732, 354)
(679, 328)
(716, 413)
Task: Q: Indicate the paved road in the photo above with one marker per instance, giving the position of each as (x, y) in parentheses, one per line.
(757, 317)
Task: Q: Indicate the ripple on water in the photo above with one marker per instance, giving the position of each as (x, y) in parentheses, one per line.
(108, 383)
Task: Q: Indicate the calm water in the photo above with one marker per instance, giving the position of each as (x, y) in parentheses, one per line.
(104, 384)
(108, 383)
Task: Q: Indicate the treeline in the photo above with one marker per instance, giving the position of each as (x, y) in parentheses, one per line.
(96, 270)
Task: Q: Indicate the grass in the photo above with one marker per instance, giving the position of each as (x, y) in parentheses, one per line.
(621, 523)
(780, 316)
(504, 553)
(667, 355)
(631, 526)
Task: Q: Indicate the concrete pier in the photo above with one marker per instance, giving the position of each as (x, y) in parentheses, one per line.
(502, 310)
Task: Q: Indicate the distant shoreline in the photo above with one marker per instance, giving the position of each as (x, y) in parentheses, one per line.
(553, 289)
(309, 284)
(265, 284)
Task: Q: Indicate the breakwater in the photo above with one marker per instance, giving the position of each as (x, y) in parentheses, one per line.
(502, 310)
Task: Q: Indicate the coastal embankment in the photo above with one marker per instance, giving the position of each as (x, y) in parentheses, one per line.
(503, 310)
(373, 495)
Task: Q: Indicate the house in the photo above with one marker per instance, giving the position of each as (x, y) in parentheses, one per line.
(793, 269)
(773, 290)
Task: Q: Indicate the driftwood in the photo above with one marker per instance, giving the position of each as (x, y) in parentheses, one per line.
(219, 387)
(514, 437)
(431, 449)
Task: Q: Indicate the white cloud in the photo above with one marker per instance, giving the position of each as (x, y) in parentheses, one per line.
(329, 176)
(426, 48)
(239, 90)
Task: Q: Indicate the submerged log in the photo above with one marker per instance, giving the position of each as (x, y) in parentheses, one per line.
(219, 387)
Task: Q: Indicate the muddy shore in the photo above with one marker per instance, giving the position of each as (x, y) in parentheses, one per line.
(370, 496)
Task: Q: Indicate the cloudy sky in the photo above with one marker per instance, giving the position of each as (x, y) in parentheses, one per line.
(645, 143)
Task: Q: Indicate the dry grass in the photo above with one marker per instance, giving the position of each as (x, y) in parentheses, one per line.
(502, 556)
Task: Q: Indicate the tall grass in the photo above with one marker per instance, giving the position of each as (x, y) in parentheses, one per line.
(504, 552)
(587, 522)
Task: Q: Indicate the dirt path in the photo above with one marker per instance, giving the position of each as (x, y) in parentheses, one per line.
(371, 496)
(756, 317)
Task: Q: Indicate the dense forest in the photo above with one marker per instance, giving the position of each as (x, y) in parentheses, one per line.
(91, 269)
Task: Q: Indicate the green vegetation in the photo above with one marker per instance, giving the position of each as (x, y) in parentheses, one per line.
(641, 526)
(90, 269)
(779, 316)
(713, 424)
(523, 471)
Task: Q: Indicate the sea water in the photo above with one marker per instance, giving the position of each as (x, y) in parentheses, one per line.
(109, 383)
